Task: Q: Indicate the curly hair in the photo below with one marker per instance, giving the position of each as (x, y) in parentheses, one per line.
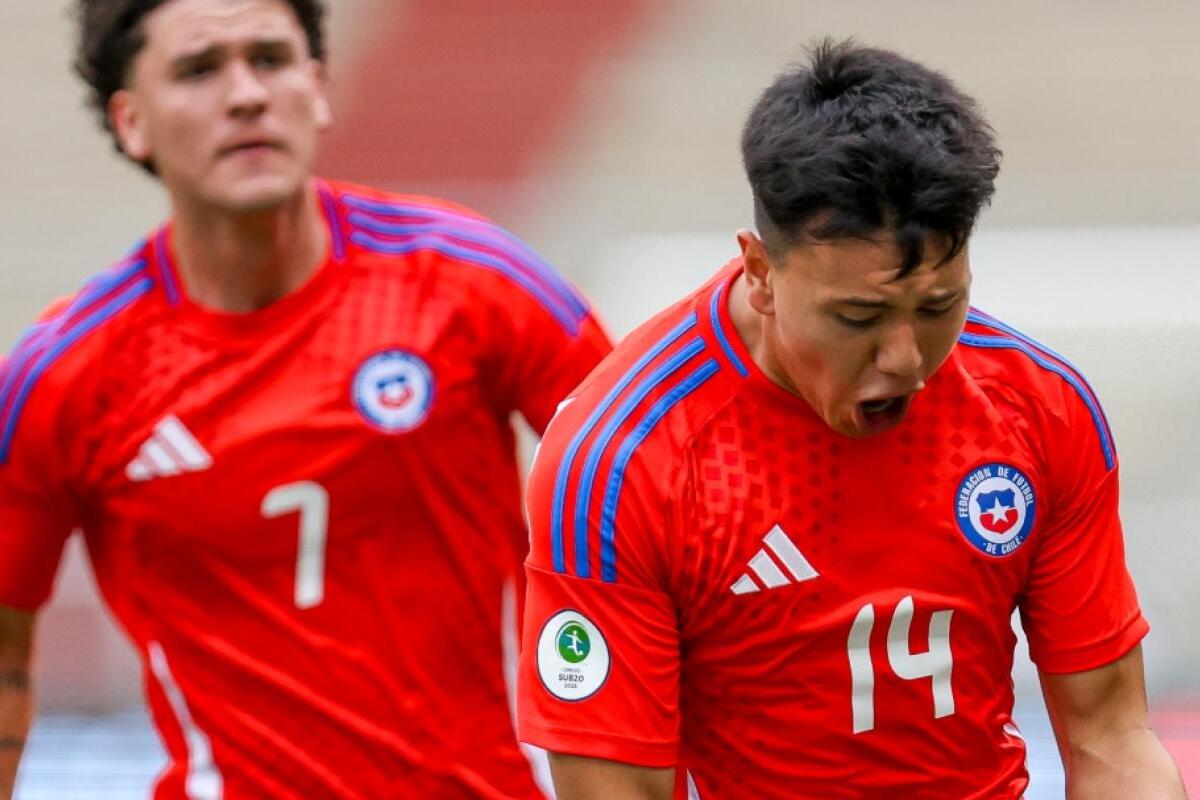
(861, 140)
(111, 36)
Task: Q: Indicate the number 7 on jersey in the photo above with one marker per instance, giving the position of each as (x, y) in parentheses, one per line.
(311, 501)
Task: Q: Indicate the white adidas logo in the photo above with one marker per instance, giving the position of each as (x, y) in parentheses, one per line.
(170, 450)
(768, 571)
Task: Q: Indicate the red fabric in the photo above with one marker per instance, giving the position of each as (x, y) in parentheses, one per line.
(752, 692)
(391, 685)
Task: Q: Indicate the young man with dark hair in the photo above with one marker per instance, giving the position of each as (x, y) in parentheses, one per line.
(779, 536)
(283, 424)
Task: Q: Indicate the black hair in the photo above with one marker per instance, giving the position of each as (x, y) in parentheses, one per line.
(111, 36)
(861, 140)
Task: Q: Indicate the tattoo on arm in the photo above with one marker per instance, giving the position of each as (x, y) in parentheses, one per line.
(11, 743)
(14, 680)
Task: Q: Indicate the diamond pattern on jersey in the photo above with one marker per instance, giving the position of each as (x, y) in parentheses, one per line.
(170, 450)
(771, 571)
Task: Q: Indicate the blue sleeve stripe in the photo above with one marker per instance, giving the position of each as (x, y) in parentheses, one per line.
(438, 244)
(57, 347)
(557, 510)
(461, 236)
(1093, 406)
(715, 313)
(499, 238)
(31, 342)
(616, 478)
(99, 286)
(980, 318)
(591, 464)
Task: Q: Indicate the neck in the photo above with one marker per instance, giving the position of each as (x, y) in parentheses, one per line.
(242, 262)
(750, 326)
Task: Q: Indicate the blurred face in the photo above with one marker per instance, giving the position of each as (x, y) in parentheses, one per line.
(226, 101)
(841, 329)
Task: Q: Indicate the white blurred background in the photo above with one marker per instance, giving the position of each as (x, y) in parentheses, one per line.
(605, 134)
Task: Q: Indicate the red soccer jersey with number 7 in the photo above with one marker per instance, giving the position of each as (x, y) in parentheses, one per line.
(307, 518)
(718, 580)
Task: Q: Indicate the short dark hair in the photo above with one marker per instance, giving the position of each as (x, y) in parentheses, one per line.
(111, 36)
(861, 140)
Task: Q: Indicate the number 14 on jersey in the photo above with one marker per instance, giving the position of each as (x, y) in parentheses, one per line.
(935, 663)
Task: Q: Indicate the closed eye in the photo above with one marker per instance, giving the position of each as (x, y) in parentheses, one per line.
(857, 323)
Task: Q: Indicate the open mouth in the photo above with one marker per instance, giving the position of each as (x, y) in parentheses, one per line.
(882, 413)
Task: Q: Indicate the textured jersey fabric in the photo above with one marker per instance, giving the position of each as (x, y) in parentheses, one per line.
(307, 518)
(718, 580)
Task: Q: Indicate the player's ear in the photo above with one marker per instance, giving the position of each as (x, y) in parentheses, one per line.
(128, 123)
(321, 109)
(759, 279)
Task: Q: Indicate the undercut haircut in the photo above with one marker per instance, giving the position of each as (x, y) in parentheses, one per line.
(111, 35)
(860, 142)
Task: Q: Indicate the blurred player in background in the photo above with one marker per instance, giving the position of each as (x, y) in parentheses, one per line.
(778, 538)
(283, 424)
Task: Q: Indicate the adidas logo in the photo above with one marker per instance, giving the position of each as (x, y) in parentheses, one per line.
(767, 569)
(170, 450)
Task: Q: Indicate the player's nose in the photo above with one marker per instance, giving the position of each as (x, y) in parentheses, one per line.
(246, 93)
(899, 352)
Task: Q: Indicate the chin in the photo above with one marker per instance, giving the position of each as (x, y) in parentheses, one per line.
(261, 193)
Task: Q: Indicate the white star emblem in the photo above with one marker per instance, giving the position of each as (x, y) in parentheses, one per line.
(998, 511)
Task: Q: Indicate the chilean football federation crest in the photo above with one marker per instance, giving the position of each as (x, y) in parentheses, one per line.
(393, 390)
(572, 656)
(995, 507)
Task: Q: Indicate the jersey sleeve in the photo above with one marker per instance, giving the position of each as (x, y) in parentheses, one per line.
(37, 511)
(599, 669)
(1080, 610)
(545, 338)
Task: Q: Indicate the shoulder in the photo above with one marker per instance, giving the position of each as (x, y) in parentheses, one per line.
(1041, 383)
(617, 446)
(67, 345)
(488, 261)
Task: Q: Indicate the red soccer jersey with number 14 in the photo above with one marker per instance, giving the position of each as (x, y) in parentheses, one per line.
(308, 517)
(720, 581)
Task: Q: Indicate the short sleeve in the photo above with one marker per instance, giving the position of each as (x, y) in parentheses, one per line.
(599, 669)
(37, 513)
(1080, 610)
(545, 339)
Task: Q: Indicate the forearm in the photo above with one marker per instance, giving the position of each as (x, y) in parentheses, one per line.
(580, 778)
(16, 710)
(1122, 765)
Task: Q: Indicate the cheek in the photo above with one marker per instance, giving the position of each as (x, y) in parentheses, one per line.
(823, 357)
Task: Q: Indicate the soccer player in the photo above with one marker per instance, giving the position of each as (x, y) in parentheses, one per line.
(283, 424)
(779, 535)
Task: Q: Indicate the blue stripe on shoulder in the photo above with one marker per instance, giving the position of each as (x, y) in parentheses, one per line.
(562, 315)
(568, 459)
(715, 313)
(612, 494)
(495, 235)
(591, 464)
(27, 348)
(94, 318)
(979, 318)
(1076, 382)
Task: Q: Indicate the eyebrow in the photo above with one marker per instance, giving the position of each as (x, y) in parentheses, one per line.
(936, 296)
(213, 50)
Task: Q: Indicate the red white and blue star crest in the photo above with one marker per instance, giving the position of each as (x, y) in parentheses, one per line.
(393, 390)
(995, 506)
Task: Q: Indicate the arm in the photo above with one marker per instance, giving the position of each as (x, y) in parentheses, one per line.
(1103, 730)
(16, 703)
(581, 778)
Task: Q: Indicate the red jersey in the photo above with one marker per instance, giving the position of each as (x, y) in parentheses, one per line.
(305, 517)
(720, 581)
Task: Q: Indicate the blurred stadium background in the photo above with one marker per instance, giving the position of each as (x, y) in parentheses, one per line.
(605, 133)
